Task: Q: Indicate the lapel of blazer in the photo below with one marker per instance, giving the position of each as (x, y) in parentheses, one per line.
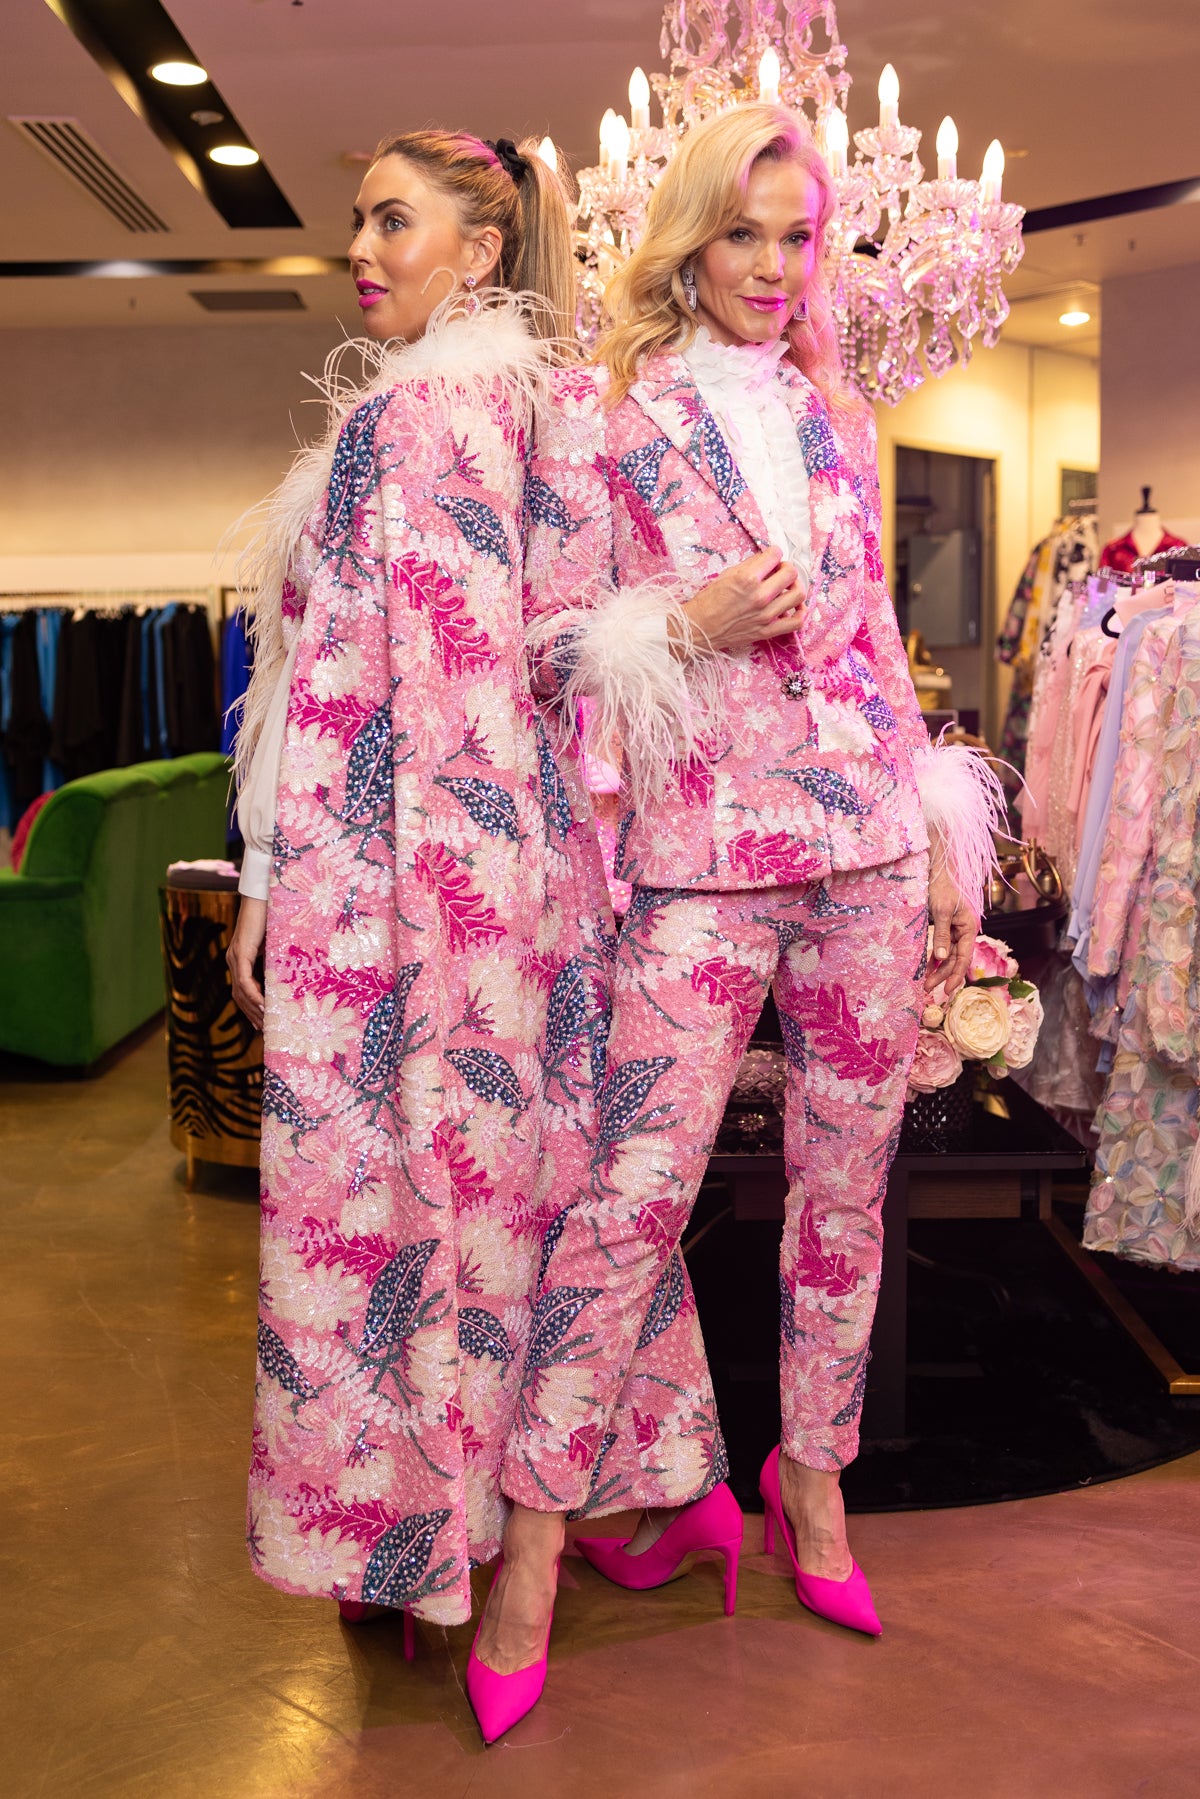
(668, 396)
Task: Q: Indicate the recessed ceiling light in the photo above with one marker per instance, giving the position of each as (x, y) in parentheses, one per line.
(1075, 317)
(233, 156)
(179, 74)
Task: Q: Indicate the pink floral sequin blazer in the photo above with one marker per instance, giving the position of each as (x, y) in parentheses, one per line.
(781, 764)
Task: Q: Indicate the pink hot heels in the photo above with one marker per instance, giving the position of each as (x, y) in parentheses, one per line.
(352, 1611)
(501, 1700)
(846, 1602)
(714, 1522)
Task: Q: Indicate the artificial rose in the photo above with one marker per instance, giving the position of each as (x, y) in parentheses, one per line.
(936, 1064)
(932, 1017)
(978, 1022)
(1025, 1019)
(991, 961)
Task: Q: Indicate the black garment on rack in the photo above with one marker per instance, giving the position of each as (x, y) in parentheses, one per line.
(88, 692)
(190, 682)
(130, 741)
(27, 736)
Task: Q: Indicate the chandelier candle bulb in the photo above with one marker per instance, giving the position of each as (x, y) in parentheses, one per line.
(619, 140)
(993, 174)
(769, 72)
(639, 101)
(889, 98)
(947, 150)
(548, 152)
(606, 154)
(837, 143)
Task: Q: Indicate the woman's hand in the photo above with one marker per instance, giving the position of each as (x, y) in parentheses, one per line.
(955, 928)
(758, 598)
(245, 946)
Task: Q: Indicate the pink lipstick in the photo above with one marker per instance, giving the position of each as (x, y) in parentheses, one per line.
(771, 303)
(368, 293)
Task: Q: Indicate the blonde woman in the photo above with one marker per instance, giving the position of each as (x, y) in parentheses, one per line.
(710, 493)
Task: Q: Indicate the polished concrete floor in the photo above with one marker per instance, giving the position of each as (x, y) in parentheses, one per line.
(1047, 1648)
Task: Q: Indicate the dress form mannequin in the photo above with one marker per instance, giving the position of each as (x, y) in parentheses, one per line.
(1147, 532)
(1147, 536)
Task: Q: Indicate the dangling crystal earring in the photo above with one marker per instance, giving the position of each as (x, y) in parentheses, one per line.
(801, 311)
(473, 305)
(688, 277)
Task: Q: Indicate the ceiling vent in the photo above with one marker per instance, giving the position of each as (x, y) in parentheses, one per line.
(67, 145)
(249, 299)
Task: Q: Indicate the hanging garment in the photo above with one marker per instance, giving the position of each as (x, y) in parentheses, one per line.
(237, 665)
(27, 732)
(1122, 553)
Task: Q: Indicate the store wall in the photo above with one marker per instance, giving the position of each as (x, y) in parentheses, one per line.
(1033, 412)
(1150, 398)
(137, 449)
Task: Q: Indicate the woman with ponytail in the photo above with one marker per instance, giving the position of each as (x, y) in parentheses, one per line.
(704, 563)
(437, 934)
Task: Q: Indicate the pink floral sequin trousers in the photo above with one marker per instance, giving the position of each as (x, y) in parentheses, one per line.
(845, 958)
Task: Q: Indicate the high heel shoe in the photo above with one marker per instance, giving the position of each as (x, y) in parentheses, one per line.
(352, 1611)
(714, 1522)
(846, 1602)
(501, 1700)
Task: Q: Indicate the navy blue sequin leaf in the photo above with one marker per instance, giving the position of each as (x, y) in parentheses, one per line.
(352, 473)
(879, 715)
(550, 1241)
(491, 806)
(568, 1007)
(642, 468)
(624, 827)
(383, 1038)
(280, 1102)
(556, 804)
(280, 1364)
(369, 773)
(601, 1026)
(853, 1405)
(825, 906)
(787, 1313)
(545, 507)
(832, 790)
(400, 1560)
(794, 1049)
(553, 1316)
(626, 1091)
(817, 444)
(665, 1301)
(610, 1438)
(478, 524)
(488, 1076)
(481, 1334)
(726, 475)
(394, 1296)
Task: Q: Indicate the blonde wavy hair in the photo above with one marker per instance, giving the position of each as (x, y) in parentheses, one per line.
(701, 193)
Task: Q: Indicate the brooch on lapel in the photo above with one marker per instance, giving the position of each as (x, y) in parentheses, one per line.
(796, 684)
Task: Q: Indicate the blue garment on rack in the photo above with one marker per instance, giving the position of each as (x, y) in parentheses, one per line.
(163, 744)
(237, 665)
(49, 626)
(8, 624)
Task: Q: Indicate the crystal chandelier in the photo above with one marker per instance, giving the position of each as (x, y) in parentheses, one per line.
(915, 267)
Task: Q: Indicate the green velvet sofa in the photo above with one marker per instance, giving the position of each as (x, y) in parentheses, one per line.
(80, 962)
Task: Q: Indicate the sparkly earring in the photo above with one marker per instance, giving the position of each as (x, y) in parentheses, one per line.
(801, 311)
(688, 277)
(472, 307)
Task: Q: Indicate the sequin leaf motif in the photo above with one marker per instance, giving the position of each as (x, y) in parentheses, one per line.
(555, 802)
(462, 646)
(879, 715)
(551, 1239)
(383, 1037)
(489, 805)
(822, 458)
(725, 984)
(601, 1026)
(872, 558)
(794, 1048)
(469, 1185)
(642, 467)
(352, 474)
(328, 1247)
(398, 1570)
(777, 859)
(830, 789)
(853, 1405)
(362, 1521)
(816, 1268)
(626, 1090)
(279, 1364)
(646, 528)
(665, 1301)
(696, 783)
(280, 1102)
(545, 507)
(787, 1312)
(553, 1316)
(569, 1008)
(834, 1035)
(342, 716)
(478, 524)
(370, 770)
(708, 447)
(645, 903)
(488, 1076)
(465, 918)
(481, 1334)
(600, 1490)
(392, 1306)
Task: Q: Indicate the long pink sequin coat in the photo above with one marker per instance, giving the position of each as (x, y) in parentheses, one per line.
(436, 1005)
(812, 766)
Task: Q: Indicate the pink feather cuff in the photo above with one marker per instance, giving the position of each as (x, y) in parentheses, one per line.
(963, 800)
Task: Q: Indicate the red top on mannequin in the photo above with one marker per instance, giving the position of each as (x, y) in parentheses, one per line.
(1123, 552)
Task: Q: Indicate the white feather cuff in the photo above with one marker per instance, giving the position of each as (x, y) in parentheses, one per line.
(658, 706)
(964, 804)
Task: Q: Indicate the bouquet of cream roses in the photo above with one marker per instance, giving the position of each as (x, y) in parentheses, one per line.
(994, 1019)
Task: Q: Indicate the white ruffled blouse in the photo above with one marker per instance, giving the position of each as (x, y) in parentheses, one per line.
(737, 383)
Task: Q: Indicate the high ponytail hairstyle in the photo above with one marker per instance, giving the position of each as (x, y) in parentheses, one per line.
(701, 193)
(528, 208)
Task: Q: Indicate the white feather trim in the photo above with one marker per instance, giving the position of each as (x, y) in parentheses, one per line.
(964, 804)
(662, 706)
(460, 359)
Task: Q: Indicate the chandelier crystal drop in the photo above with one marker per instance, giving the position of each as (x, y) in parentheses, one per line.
(915, 267)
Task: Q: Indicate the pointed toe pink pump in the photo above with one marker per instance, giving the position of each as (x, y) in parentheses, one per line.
(353, 1611)
(501, 1700)
(846, 1602)
(714, 1522)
